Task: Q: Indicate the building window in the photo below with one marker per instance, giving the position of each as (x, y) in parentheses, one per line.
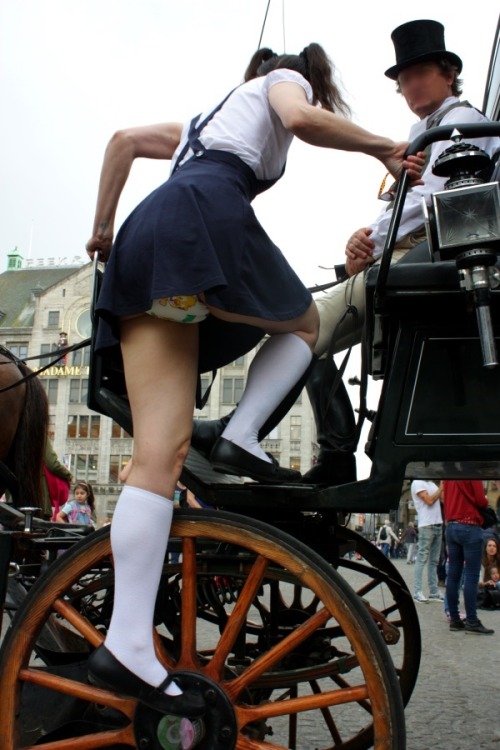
(46, 349)
(84, 466)
(84, 426)
(18, 349)
(232, 390)
(205, 384)
(53, 320)
(78, 389)
(116, 464)
(118, 432)
(51, 387)
(295, 446)
(295, 427)
(81, 357)
(51, 427)
(295, 462)
(239, 362)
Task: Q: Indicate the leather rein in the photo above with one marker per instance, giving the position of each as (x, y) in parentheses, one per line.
(16, 361)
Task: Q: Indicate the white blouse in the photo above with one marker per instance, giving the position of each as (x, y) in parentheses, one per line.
(247, 126)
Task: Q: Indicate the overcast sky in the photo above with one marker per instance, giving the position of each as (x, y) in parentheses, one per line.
(74, 71)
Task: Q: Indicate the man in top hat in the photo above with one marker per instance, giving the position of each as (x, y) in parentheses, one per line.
(427, 75)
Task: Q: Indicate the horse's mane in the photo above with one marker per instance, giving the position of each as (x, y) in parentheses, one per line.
(25, 457)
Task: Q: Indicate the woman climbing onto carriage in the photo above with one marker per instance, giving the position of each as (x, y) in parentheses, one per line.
(193, 249)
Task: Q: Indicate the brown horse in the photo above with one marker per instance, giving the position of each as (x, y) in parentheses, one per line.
(23, 432)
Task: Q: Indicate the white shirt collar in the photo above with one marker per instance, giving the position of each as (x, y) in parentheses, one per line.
(421, 126)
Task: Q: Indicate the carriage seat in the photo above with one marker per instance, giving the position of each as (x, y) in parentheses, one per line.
(416, 273)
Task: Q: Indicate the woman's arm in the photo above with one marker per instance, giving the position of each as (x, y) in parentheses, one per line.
(322, 128)
(151, 142)
(61, 517)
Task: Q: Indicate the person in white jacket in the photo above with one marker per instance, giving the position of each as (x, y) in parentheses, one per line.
(385, 534)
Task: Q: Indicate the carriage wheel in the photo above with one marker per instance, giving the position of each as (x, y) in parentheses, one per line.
(315, 679)
(383, 590)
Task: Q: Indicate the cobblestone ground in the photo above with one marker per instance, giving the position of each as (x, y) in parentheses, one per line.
(455, 705)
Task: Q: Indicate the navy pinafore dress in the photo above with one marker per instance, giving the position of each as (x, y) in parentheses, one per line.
(198, 233)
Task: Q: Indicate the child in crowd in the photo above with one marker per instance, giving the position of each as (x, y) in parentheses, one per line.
(81, 509)
(491, 578)
(488, 595)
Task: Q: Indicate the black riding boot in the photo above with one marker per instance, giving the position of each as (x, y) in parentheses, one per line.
(207, 431)
(335, 426)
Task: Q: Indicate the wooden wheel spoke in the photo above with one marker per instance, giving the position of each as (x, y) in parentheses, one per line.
(188, 657)
(246, 743)
(328, 718)
(368, 587)
(390, 609)
(77, 690)
(247, 714)
(78, 621)
(162, 654)
(345, 685)
(237, 618)
(277, 653)
(111, 738)
(297, 597)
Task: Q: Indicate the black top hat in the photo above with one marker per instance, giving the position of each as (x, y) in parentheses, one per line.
(419, 41)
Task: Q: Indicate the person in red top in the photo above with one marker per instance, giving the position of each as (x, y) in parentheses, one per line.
(464, 539)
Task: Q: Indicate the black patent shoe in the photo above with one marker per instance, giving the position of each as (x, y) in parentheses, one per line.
(206, 432)
(229, 458)
(107, 672)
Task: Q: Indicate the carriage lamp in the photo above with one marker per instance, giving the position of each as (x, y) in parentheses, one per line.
(463, 224)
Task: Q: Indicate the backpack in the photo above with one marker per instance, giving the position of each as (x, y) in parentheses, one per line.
(383, 534)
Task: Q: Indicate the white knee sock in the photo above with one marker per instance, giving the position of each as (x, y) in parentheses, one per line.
(139, 537)
(275, 369)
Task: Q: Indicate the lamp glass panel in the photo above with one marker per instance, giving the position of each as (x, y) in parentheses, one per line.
(468, 216)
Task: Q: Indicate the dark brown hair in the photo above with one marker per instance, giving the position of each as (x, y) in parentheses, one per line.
(485, 562)
(256, 61)
(312, 63)
(90, 493)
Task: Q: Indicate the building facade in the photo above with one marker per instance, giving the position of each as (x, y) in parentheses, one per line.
(45, 305)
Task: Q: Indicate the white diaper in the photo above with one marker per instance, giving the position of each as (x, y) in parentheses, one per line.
(184, 308)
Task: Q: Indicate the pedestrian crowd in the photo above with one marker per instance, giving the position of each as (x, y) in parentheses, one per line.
(452, 528)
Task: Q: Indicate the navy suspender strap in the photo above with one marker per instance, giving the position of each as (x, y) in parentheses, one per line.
(198, 149)
(193, 142)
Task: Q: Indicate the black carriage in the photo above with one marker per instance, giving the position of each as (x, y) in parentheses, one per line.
(292, 639)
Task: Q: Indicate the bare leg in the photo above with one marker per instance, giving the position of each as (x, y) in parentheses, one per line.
(160, 361)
